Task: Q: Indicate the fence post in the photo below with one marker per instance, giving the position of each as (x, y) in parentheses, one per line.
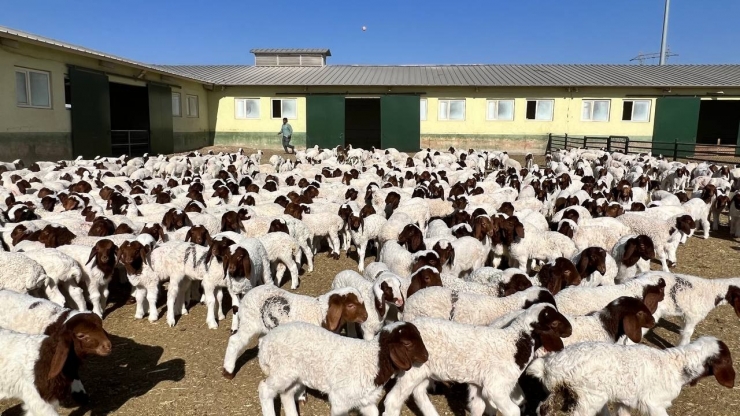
(627, 146)
(609, 144)
(585, 142)
(566, 141)
(675, 149)
(549, 143)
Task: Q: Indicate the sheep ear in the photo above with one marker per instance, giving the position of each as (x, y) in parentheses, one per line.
(60, 357)
(452, 256)
(223, 223)
(400, 356)
(629, 252)
(144, 251)
(551, 342)
(93, 253)
(167, 220)
(247, 266)
(334, 313)
(209, 241)
(380, 307)
(189, 235)
(632, 328)
(519, 230)
(582, 265)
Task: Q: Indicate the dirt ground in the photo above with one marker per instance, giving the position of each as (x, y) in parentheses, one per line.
(157, 370)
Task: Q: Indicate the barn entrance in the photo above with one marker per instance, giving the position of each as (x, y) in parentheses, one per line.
(718, 120)
(129, 119)
(362, 122)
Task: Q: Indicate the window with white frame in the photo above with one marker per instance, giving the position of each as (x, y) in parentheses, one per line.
(541, 110)
(423, 109)
(176, 104)
(192, 106)
(636, 110)
(246, 108)
(284, 108)
(32, 88)
(595, 110)
(500, 110)
(451, 109)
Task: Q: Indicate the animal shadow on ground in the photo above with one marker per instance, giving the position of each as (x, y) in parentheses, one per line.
(132, 370)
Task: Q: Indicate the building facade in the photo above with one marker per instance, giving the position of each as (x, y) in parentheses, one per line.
(59, 101)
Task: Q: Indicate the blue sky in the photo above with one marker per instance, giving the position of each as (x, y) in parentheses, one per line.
(398, 31)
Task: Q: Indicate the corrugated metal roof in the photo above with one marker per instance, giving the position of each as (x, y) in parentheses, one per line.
(298, 51)
(701, 76)
(17, 34)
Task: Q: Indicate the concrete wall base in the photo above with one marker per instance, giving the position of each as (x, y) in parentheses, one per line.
(34, 147)
(257, 140)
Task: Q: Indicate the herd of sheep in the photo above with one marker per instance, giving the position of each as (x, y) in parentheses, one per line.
(529, 284)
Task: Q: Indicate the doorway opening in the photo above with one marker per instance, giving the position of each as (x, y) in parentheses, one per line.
(129, 117)
(362, 122)
(718, 119)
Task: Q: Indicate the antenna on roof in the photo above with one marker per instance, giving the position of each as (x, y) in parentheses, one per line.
(642, 57)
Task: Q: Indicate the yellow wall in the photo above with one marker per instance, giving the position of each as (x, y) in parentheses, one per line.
(223, 115)
(57, 119)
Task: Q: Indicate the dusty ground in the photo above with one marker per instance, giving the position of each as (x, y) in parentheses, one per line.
(157, 370)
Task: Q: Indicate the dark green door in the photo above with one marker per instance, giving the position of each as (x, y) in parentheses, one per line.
(324, 121)
(676, 119)
(90, 113)
(399, 122)
(160, 119)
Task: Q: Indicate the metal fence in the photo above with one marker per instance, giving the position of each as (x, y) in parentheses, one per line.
(676, 150)
(129, 142)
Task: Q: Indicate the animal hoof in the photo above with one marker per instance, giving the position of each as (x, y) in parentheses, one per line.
(227, 375)
(131, 300)
(232, 332)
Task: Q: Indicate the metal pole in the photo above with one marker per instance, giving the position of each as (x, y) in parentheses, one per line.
(664, 39)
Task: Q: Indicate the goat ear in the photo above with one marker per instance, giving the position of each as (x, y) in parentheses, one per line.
(223, 223)
(334, 313)
(632, 328)
(209, 241)
(189, 235)
(247, 266)
(400, 356)
(187, 221)
(452, 256)
(61, 351)
(722, 367)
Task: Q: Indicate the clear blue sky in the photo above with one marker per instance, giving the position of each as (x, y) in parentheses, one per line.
(398, 31)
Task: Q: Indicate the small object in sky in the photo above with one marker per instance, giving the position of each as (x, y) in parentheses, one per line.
(364, 28)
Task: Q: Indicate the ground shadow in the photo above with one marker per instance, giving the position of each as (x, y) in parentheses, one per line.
(132, 370)
(658, 341)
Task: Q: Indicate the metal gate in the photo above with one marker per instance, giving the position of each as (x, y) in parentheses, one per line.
(129, 142)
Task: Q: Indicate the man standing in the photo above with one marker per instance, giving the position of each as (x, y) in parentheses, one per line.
(287, 131)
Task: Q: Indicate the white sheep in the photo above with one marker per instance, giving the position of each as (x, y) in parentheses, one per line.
(385, 292)
(362, 231)
(97, 264)
(470, 308)
(266, 307)
(576, 300)
(489, 360)
(543, 246)
(691, 298)
(283, 252)
(352, 375)
(596, 266)
(649, 378)
(64, 272)
(28, 315)
(22, 274)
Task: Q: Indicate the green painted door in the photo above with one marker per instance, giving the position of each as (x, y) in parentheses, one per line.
(399, 122)
(676, 118)
(160, 119)
(324, 121)
(90, 113)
